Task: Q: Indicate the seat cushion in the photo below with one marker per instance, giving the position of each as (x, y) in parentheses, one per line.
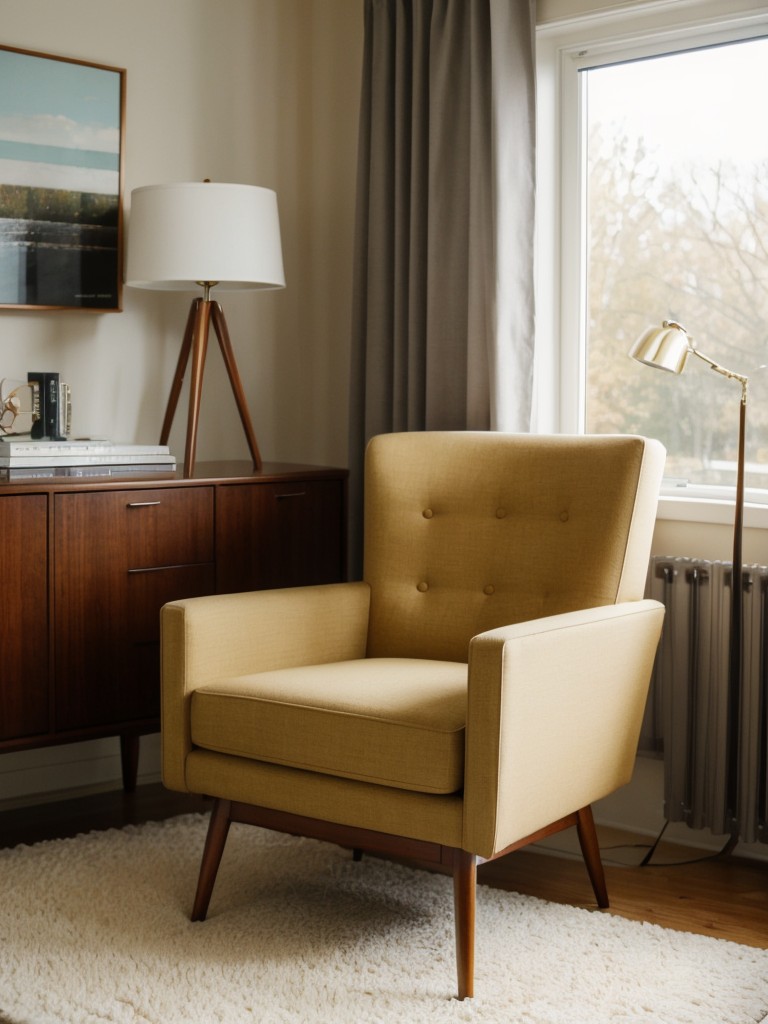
(391, 721)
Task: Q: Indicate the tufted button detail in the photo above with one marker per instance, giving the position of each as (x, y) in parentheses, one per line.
(422, 587)
(490, 589)
(427, 513)
(564, 517)
(501, 513)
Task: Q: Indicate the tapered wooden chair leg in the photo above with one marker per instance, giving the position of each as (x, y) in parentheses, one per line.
(218, 829)
(464, 888)
(590, 849)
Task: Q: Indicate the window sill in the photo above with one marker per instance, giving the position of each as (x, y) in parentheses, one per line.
(710, 510)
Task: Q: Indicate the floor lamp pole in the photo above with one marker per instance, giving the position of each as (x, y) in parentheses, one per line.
(194, 345)
(737, 605)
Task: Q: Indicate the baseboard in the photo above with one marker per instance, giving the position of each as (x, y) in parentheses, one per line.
(70, 770)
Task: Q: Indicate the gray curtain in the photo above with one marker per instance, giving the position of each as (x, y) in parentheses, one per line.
(442, 333)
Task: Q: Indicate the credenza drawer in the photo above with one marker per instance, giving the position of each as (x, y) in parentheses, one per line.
(138, 529)
(168, 527)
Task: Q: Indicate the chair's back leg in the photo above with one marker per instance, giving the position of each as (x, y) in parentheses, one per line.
(464, 887)
(590, 849)
(218, 829)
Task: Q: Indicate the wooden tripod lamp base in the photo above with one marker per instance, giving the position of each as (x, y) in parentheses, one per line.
(202, 313)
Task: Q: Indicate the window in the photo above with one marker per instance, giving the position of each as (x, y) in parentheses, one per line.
(663, 174)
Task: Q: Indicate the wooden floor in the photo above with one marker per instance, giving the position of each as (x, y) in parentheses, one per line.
(726, 897)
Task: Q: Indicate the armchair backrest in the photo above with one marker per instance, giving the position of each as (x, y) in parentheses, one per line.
(467, 531)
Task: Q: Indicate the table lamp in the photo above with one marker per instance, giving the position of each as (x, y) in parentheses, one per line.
(192, 235)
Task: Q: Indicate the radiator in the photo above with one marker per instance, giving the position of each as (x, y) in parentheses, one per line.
(715, 771)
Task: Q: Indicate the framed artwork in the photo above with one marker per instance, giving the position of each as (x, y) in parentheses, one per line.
(61, 182)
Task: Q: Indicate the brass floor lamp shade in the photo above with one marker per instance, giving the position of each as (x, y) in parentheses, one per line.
(192, 235)
(667, 348)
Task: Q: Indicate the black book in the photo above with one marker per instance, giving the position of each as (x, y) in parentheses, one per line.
(48, 426)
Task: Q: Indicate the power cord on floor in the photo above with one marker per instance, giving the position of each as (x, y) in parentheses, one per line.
(646, 861)
(729, 847)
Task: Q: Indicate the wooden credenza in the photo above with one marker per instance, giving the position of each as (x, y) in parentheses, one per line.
(88, 563)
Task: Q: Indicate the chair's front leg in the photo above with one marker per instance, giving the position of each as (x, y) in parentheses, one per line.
(218, 829)
(464, 887)
(585, 828)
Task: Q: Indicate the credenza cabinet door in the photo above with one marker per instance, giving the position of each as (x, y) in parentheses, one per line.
(284, 534)
(24, 616)
(119, 556)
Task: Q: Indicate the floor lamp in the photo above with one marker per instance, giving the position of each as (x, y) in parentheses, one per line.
(667, 348)
(192, 235)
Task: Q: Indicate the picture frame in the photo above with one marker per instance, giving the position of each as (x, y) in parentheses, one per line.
(62, 135)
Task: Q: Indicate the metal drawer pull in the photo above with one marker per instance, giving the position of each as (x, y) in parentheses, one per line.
(292, 494)
(141, 504)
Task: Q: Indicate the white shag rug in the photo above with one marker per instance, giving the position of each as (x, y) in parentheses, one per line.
(95, 930)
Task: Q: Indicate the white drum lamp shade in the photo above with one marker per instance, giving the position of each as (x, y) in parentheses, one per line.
(191, 233)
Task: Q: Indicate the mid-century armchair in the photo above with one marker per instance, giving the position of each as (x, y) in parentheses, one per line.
(480, 688)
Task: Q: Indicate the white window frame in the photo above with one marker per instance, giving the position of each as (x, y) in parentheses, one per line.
(644, 28)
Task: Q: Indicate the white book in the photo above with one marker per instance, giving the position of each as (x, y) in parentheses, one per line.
(159, 469)
(85, 446)
(14, 443)
(105, 459)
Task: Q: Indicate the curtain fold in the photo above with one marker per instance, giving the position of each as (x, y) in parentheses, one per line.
(442, 322)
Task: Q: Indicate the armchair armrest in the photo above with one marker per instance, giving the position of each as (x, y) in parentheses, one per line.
(207, 638)
(555, 707)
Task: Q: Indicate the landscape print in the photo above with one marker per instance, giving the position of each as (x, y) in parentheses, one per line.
(60, 182)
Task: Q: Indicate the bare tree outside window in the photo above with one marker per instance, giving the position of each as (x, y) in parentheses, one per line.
(677, 216)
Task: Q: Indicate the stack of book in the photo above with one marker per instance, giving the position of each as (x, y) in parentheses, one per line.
(81, 457)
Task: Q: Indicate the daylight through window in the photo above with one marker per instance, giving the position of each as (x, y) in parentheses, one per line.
(676, 162)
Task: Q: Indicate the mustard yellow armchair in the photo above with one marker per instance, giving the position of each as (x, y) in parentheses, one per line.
(480, 688)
